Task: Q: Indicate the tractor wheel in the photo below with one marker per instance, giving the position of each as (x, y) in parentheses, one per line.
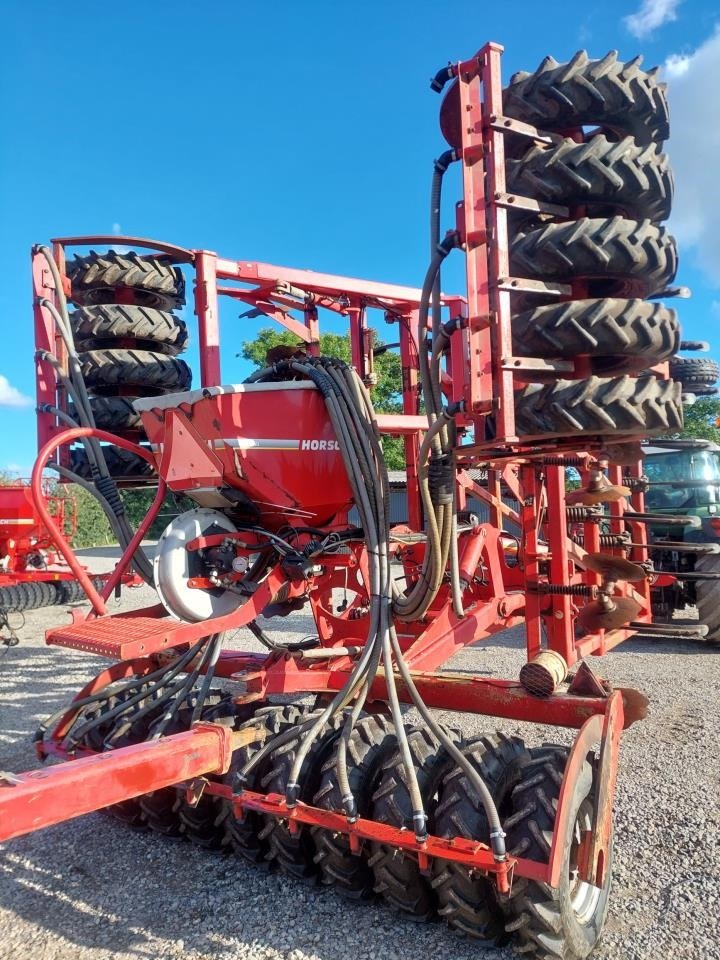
(467, 900)
(121, 464)
(707, 596)
(604, 176)
(396, 871)
(627, 405)
(598, 93)
(136, 370)
(696, 374)
(563, 923)
(619, 336)
(113, 413)
(149, 329)
(294, 853)
(247, 836)
(113, 277)
(371, 740)
(616, 257)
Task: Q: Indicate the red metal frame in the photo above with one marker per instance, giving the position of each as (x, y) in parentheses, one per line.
(531, 578)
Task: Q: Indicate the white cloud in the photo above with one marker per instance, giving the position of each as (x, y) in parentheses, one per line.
(651, 15)
(694, 148)
(117, 229)
(10, 396)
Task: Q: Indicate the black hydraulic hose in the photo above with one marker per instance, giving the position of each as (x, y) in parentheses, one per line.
(168, 674)
(207, 679)
(205, 659)
(497, 836)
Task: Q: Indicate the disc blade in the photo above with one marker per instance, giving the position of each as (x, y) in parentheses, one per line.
(613, 568)
(595, 616)
(588, 498)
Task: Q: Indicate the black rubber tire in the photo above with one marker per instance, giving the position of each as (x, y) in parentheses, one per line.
(147, 328)
(542, 919)
(294, 853)
(604, 176)
(619, 336)
(620, 97)
(12, 600)
(370, 742)
(133, 370)
(246, 837)
(69, 591)
(694, 372)
(707, 597)
(397, 874)
(27, 596)
(468, 901)
(150, 281)
(614, 256)
(113, 413)
(121, 464)
(203, 823)
(623, 405)
(160, 811)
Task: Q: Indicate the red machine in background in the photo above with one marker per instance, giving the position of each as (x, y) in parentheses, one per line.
(556, 358)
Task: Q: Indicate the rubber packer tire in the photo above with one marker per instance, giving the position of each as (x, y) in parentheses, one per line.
(151, 329)
(541, 918)
(619, 177)
(121, 464)
(608, 93)
(623, 405)
(203, 823)
(294, 853)
(243, 836)
(620, 336)
(27, 596)
(707, 597)
(151, 281)
(468, 901)
(617, 257)
(397, 874)
(694, 372)
(371, 740)
(139, 370)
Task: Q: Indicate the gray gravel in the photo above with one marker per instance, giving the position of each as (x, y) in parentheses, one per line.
(92, 889)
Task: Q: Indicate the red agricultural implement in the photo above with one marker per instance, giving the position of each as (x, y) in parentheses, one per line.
(555, 358)
(32, 573)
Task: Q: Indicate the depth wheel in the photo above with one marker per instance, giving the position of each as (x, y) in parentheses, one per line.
(564, 923)
(616, 257)
(112, 277)
(623, 405)
(605, 176)
(467, 900)
(371, 740)
(397, 874)
(607, 93)
(619, 336)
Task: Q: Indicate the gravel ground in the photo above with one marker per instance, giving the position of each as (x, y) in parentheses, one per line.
(92, 889)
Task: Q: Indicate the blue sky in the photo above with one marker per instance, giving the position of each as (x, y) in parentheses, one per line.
(296, 133)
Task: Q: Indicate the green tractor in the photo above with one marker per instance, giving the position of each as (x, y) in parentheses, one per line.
(683, 479)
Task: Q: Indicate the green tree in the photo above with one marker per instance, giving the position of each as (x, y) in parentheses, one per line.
(386, 394)
(702, 420)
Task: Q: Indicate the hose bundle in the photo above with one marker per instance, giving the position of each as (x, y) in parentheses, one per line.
(152, 700)
(353, 419)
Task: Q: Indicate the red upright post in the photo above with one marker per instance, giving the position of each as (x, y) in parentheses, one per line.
(206, 308)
